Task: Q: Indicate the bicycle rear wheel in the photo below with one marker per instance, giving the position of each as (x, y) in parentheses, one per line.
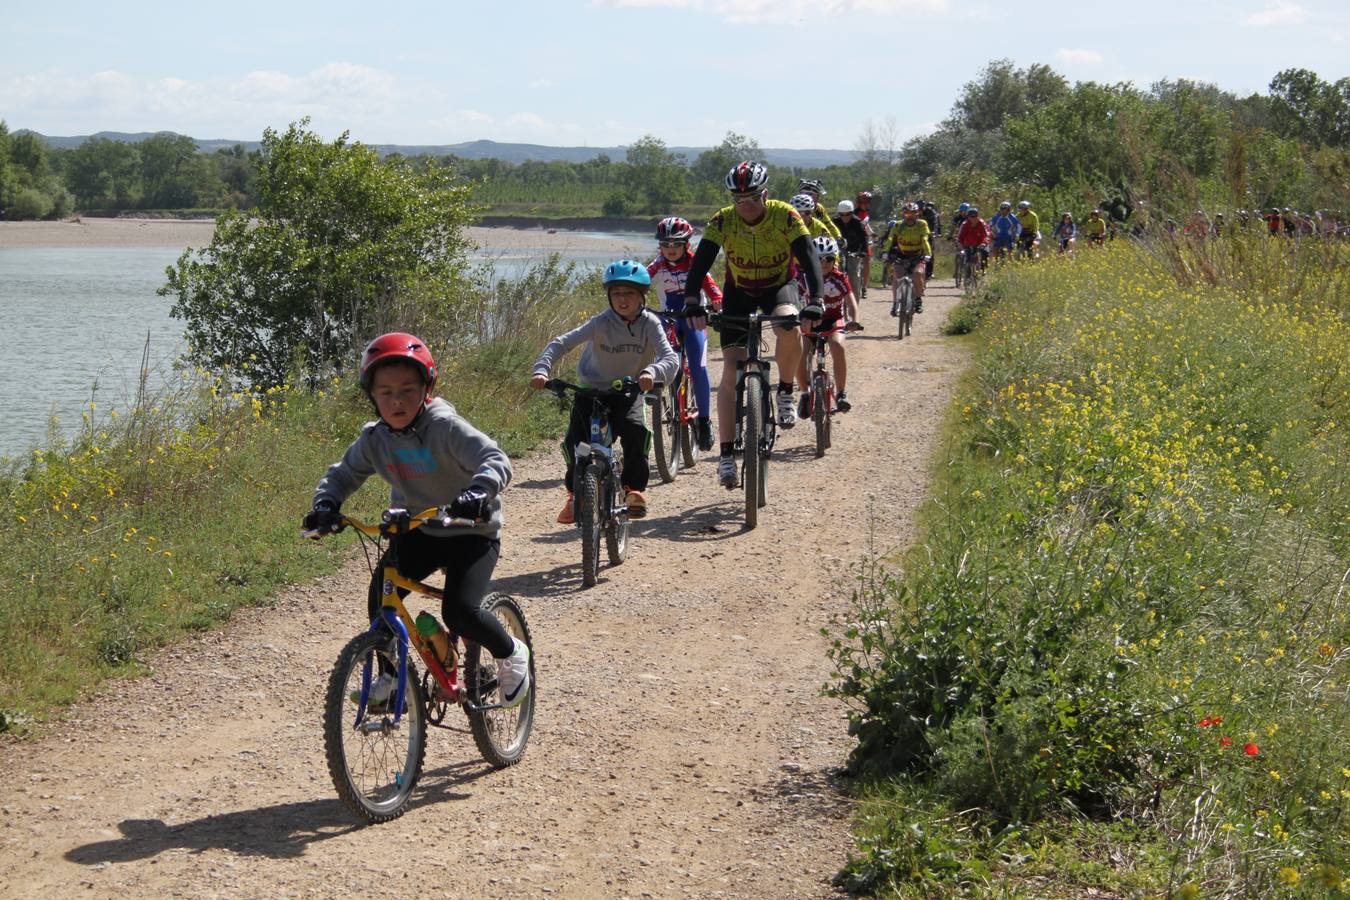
(689, 448)
(820, 413)
(903, 304)
(666, 432)
(960, 268)
(501, 734)
(374, 763)
(588, 517)
(750, 458)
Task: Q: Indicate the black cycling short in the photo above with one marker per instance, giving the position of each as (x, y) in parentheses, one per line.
(905, 263)
(739, 302)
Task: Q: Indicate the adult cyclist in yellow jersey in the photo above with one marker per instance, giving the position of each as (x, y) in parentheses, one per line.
(806, 208)
(1031, 228)
(909, 245)
(815, 190)
(760, 237)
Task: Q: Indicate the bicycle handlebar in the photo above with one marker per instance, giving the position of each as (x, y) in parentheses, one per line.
(623, 387)
(397, 521)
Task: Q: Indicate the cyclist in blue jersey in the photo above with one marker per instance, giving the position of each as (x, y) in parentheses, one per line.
(1006, 230)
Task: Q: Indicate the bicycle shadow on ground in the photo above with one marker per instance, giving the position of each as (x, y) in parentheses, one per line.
(538, 484)
(281, 831)
(563, 579)
(698, 524)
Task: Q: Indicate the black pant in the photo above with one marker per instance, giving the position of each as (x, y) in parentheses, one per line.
(628, 418)
(468, 561)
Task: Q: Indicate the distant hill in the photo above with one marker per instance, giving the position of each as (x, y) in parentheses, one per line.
(513, 153)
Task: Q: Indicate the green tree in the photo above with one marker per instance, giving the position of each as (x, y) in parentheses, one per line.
(655, 174)
(1002, 91)
(101, 172)
(341, 243)
(713, 164)
(1305, 107)
(167, 170)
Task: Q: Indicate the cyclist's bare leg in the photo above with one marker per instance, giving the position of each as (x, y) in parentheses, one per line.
(726, 392)
(789, 348)
(918, 282)
(840, 365)
(803, 379)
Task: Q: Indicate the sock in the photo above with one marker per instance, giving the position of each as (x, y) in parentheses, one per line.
(784, 387)
(729, 449)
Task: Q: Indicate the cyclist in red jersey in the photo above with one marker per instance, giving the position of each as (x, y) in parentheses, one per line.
(841, 310)
(669, 272)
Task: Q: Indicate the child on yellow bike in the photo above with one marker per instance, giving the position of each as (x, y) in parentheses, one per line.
(431, 457)
(625, 341)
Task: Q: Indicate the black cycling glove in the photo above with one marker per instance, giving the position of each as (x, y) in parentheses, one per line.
(324, 518)
(472, 503)
(694, 310)
(814, 309)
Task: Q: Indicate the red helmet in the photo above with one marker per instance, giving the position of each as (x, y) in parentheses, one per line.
(864, 198)
(673, 228)
(397, 345)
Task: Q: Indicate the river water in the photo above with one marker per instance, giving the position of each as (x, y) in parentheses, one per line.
(75, 322)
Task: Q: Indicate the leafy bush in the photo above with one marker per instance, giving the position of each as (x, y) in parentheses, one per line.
(1129, 600)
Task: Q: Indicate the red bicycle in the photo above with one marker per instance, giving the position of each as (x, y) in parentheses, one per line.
(674, 410)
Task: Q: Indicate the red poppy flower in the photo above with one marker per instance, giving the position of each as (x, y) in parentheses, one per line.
(1225, 741)
(1204, 723)
(1250, 749)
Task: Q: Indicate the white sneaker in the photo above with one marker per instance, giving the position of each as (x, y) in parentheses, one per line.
(726, 472)
(787, 410)
(513, 675)
(381, 689)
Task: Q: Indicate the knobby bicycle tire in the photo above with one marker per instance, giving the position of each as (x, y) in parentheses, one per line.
(820, 413)
(501, 734)
(666, 432)
(616, 527)
(360, 772)
(588, 517)
(751, 461)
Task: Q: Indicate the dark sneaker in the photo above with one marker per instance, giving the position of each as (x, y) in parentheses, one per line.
(804, 406)
(842, 404)
(703, 431)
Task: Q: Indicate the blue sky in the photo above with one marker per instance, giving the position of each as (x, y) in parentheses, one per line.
(606, 72)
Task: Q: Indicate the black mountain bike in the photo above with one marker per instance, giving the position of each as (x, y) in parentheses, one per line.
(599, 506)
(821, 392)
(903, 306)
(970, 260)
(756, 424)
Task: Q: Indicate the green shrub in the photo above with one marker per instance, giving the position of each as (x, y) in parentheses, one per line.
(1128, 603)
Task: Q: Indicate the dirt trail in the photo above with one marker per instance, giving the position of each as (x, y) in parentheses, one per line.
(681, 745)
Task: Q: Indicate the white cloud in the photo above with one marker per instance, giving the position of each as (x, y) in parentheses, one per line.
(1280, 12)
(783, 12)
(1079, 57)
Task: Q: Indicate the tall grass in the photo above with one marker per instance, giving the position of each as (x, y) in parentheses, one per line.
(1119, 656)
(166, 517)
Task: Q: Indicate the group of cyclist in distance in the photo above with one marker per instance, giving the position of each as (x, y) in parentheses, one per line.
(783, 258)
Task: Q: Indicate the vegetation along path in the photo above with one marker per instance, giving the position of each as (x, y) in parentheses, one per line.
(681, 745)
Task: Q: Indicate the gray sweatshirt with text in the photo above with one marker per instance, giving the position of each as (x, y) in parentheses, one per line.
(428, 465)
(614, 349)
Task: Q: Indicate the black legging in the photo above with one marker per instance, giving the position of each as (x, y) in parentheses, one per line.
(468, 561)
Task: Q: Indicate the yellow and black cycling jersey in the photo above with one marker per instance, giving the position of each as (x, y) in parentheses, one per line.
(757, 255)
(830, 228)
(818, 227)
(909, 239)
(1094, 227)
(1031, 224)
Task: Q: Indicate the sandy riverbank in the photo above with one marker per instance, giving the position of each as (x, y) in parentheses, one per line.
(197, 233)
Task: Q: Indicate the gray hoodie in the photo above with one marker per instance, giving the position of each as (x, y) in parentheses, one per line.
(614, 349)
(428, 465)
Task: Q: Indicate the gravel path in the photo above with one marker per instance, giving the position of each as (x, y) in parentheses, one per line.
(681, 744)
